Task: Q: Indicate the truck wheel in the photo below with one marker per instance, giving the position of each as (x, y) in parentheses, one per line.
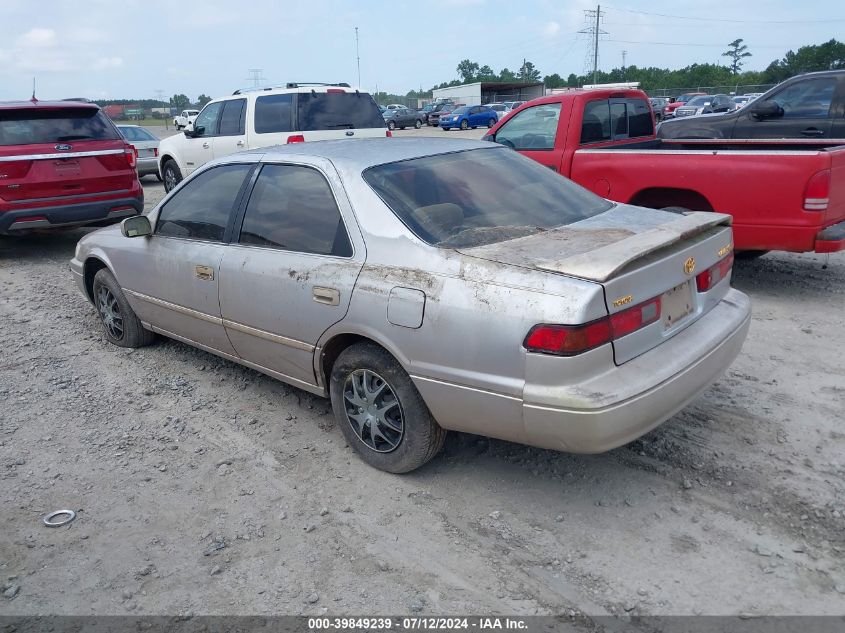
(464, 124)
(172, 175)
(380, 411)
(122, 326)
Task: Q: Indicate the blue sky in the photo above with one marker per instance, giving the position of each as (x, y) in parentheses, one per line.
(133, 48)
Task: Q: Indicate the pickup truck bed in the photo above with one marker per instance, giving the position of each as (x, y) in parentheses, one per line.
(782, 194)
(786, 195)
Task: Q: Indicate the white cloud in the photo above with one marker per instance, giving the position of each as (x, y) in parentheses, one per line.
(37, 38)
(106, 63)
(46, 50)
(550, 29)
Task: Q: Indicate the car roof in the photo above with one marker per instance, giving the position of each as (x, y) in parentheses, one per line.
(359, 154)
(46, 105)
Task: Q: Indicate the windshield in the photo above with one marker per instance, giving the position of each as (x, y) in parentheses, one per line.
(28, 126)
(498, 107)
(480, 196)
(337, 110)
(699, 101)
(460, 110)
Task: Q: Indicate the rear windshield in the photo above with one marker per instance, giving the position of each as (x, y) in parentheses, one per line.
(29, 126)
(337, 111)
(480, 196)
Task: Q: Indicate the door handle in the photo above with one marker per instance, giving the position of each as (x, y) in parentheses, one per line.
(206, 273)
(328, 296)
(240, 143)
(811, 131)
(206, 145)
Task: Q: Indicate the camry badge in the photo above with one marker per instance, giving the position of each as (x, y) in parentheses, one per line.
(63, 147)
(689, 265)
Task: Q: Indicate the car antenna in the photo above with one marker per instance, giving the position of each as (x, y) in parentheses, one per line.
(34, 100)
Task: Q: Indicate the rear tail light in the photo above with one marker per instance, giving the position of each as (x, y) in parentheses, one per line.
(296, 138)
(14, 169)
(569, 340)
(705, 280)
(155, 151)
(131, 155)
(388, 134)
(817, 192)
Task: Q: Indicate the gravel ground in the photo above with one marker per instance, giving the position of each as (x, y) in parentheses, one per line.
(204, 487)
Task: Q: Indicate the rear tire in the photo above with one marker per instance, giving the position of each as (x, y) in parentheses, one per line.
(121, 325)
(369, 387)
(172, 175)
(491, 122)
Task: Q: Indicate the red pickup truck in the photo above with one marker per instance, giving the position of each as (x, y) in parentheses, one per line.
(786, 195)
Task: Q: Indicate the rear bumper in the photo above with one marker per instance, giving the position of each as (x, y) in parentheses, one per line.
(101, 212)
(626, 402)
(147, 166)
(831, 239)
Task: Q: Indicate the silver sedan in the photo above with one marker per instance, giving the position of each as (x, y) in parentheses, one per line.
(146, 145)
(426, 285)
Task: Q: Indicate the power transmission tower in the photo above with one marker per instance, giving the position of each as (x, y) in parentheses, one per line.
(160, 96)
(256, 77)
(593, 29)
(358, 56)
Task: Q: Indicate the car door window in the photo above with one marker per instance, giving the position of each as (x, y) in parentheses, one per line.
(207, 119)
(595, 126)
(534, 128)
(233, 117)
(201, 209)
(292, 208)
(619, 119)
(808, 99)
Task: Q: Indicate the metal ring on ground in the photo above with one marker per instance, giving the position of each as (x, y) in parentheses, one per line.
(69, 515)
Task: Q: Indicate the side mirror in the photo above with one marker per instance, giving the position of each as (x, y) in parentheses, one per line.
(136, 226)
(766, 110)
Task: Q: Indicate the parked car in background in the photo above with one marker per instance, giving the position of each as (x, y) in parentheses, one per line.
(420, 284)
(501, 109)
(146, 149)
(273, 116)
(513, 105)
(402, 118)
(469, 117)
(424, 112)
(181, 120)
(604, 140)
(809, 107)
(708, 104)
(657, 106)
(63, 164)
(395, 106)
(742, 100)
(669, 109)
(440, 109)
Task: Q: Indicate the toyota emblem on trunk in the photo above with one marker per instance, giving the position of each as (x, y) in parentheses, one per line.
(64, 147)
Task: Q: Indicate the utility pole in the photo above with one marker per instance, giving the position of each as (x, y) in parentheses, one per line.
(624, 55)
(594, 30)
(358, 56)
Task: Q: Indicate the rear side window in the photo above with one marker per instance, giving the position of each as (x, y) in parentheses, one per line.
(337, 111)
(595, 126)
(273, 113)
(200, 210)
(292, 208)
(29, 126)
(639, 118)
(233, 118)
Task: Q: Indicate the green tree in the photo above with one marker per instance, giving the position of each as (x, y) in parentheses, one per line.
(507, 75)
(485, 73)
(202, 100)
(827, 56)
(737, 51)
(528, 73)
(467, 70)
(180, 101)
(554, 81)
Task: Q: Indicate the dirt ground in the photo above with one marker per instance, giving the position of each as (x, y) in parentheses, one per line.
(202, 487)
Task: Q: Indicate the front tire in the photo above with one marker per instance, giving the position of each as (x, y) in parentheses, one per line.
(464, 124)
(380, 411)
(172, 175)
(446, 129)
(391, 126)
(417, 124)
(121, 325)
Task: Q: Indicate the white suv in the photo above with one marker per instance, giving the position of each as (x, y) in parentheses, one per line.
(263, 117)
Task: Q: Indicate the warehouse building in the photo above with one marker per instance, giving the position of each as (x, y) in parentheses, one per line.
(483, 92)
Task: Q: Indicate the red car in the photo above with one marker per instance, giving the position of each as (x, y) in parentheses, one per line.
(63, 164)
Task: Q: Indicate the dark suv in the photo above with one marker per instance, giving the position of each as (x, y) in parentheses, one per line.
(63, 164)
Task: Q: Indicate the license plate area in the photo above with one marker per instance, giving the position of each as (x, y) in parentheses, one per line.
(65, 168)
(676, 304)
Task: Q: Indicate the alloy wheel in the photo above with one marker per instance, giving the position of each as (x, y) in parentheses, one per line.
(109, 311)
(373, 410)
